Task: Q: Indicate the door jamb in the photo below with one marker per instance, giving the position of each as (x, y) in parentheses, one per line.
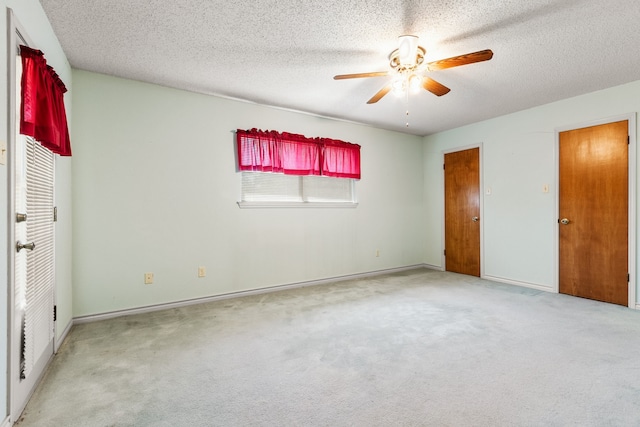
(443, 259)
(632, 170)
(16, 34)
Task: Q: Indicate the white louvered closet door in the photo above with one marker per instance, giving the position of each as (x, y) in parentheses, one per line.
(35, 265)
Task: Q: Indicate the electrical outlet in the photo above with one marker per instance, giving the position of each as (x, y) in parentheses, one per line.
(202, 271)
(148, 278)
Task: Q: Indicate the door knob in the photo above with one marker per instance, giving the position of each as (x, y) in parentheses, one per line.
(564, 221)
(20, 246)
(475, 219)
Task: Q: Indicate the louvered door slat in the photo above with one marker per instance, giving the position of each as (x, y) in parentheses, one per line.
(39, 270)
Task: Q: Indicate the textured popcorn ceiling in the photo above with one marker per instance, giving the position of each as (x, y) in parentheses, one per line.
(285, 53)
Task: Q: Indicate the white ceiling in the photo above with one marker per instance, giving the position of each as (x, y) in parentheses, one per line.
(285, 53)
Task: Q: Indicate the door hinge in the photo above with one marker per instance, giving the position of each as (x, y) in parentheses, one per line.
(55, 313)
(628, 277)
(445, 252)
(628, 140)
(443, 166)
(55, 214)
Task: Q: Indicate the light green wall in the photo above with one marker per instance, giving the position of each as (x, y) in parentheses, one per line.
(155, 190)
(135, 139)
(518, 155)
(33, 19)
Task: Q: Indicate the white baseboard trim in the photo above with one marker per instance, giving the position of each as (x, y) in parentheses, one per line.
(6, 423)
(156, 307)
(519, 283)
(57, 343)
(637, 306)
(433, 267)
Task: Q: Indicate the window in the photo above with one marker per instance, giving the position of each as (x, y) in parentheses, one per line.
(277, 190)
(283, 169)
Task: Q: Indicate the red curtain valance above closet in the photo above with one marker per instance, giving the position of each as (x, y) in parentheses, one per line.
(42, 112)
(291, 154)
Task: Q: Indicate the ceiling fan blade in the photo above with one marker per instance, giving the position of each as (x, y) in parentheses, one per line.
(456, 61)
(434, 87)
(382, 92)
(360, 75)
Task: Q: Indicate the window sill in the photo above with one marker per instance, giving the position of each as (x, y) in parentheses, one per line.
(262, 205)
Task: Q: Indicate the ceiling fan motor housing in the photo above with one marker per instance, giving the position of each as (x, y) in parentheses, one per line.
(407, 58)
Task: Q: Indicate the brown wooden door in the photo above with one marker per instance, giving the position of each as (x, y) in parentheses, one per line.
(594, 198)
(462, 211)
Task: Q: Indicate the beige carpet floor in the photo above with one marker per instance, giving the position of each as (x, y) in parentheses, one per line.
(419, 348)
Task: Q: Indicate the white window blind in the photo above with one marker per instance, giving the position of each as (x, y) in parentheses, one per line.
(269, 187)
(35, 268)
(326, 189)
(273, 190)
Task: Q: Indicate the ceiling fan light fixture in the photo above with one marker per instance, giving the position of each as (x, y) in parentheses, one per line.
(399, 85)
(415, 83)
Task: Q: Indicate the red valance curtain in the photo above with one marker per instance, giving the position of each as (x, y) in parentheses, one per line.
(292, 154)
(299, 155)
(42, 112)
(340, 159)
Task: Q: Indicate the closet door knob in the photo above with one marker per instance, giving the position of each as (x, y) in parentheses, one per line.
(30, 246)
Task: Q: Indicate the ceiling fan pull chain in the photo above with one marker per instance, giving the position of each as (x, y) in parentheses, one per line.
(407, 114)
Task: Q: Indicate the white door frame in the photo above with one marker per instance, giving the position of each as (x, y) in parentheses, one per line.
(18, 394)
(632, 169)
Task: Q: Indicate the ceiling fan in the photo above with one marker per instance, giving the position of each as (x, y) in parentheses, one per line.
(407, 69)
